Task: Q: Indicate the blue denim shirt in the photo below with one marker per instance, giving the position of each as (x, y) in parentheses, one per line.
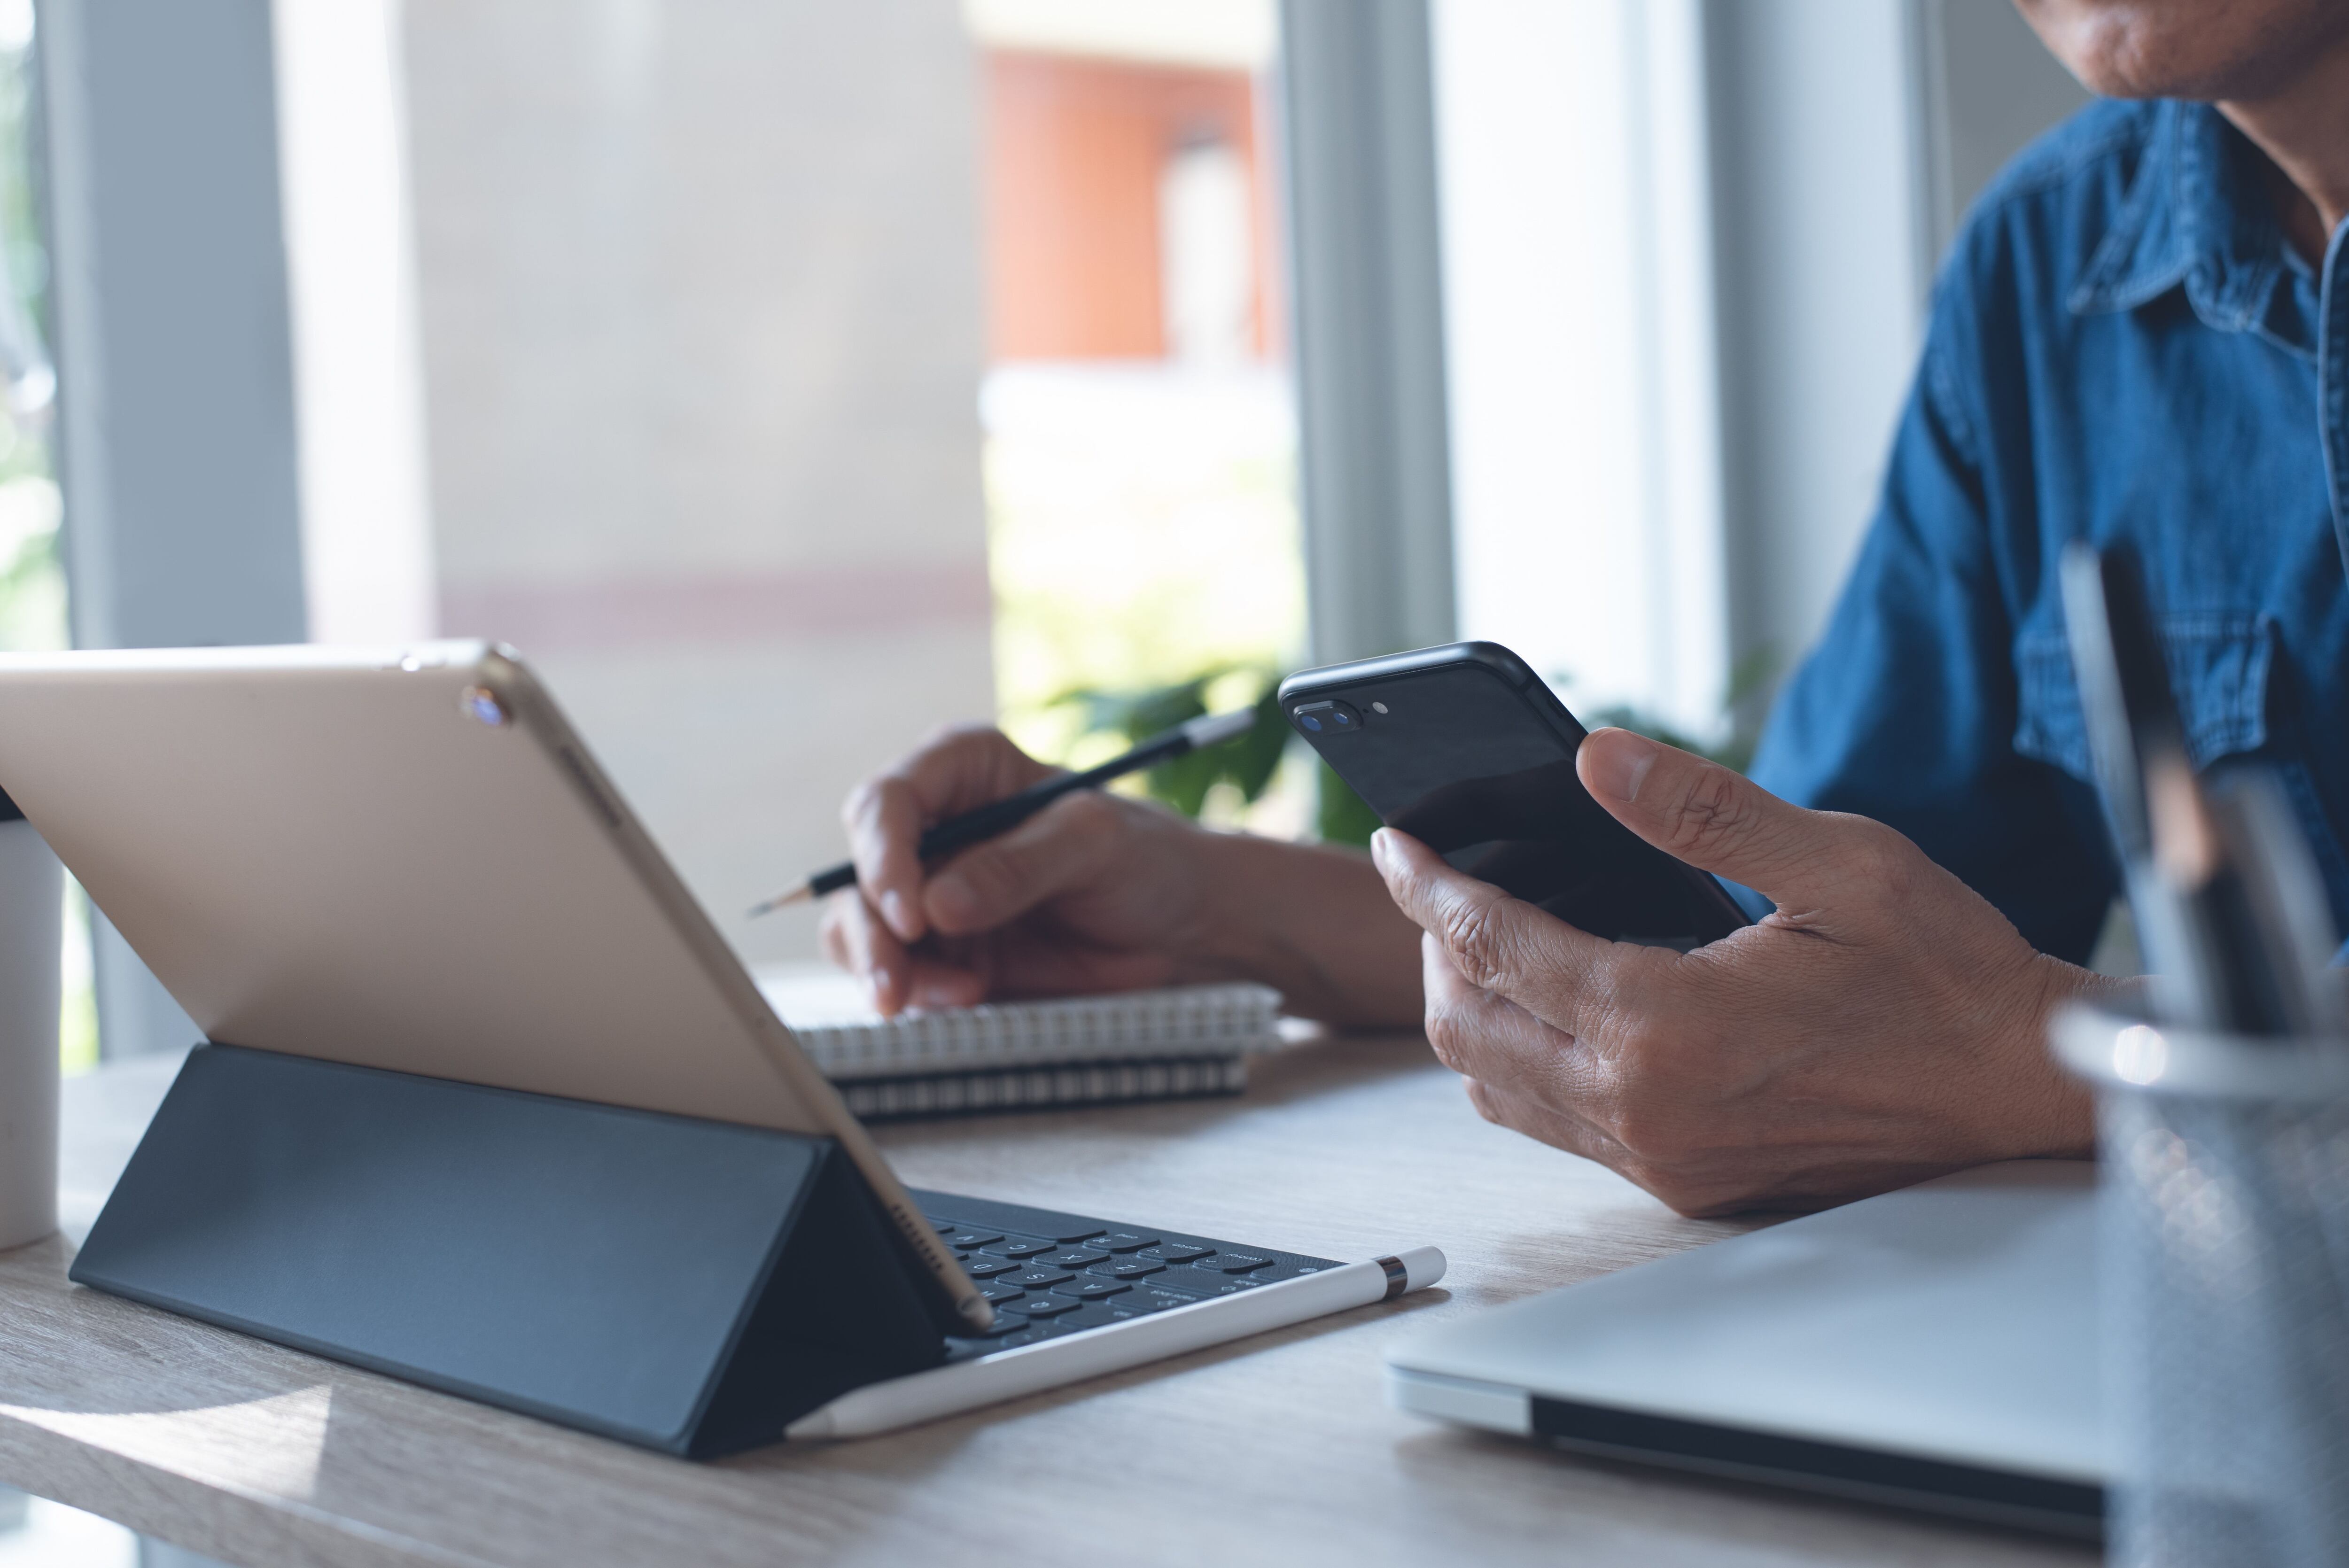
(2122, 345)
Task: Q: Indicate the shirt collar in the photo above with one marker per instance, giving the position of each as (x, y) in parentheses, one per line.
(2194, 215)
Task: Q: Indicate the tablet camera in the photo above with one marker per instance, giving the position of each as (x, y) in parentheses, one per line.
(481, 704)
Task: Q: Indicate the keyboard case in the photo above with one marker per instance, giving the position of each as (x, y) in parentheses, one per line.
(687, 1285)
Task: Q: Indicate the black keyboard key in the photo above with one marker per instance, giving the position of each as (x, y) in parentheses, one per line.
(1199, 1281)
(945, 1227)
(1235, 1263)
(1129, 1268)
(1092, 1315)
(1079, 1258)
(1074, 1232)
(1148, 1296)
(1175, 1252)
(968, 1239)
(1091, 1289)
(985, 1267)
(1125, 1241)
(1279, 1271)
(1000, 1293)
(1004, 1324)
(1021, 1247)
(1140, 1303)
(1044, 1305)
(1035, 1278)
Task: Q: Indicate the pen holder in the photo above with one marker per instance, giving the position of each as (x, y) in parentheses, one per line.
(2224, 1274)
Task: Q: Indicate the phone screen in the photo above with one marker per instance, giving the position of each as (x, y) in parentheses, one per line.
(1481, 770)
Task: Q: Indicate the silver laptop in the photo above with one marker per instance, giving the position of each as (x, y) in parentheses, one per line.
(1935, 1347)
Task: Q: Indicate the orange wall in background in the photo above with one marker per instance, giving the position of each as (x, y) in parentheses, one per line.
(1075, 149)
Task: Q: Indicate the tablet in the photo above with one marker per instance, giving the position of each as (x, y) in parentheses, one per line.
(407, 859)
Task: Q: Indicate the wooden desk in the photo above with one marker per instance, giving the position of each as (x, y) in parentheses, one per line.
(1278, 1449)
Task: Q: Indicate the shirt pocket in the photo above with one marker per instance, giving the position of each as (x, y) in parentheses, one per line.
(2218, 670)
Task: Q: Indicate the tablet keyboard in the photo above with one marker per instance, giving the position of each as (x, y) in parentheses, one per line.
(1050, 1273)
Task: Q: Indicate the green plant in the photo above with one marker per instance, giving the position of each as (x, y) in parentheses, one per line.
(1247, 763)
(1340, 816)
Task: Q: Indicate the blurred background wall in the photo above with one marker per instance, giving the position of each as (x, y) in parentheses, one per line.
(702, 333)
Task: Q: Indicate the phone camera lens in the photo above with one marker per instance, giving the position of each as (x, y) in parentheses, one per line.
(1320, 717)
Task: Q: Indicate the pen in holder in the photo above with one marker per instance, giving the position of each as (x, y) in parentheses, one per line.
(2225, 1282)
(31, 927)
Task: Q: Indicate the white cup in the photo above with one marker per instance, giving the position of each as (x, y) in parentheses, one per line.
(30, 927)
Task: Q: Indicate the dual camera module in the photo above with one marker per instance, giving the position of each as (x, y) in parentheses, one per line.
(1331, 717)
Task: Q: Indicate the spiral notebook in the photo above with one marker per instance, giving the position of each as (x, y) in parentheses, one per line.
(1174, 1043)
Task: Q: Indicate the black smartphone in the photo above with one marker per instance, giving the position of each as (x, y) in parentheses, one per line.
(1467, 750)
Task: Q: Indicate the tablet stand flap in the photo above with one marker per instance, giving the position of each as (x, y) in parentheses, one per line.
(687, 1285)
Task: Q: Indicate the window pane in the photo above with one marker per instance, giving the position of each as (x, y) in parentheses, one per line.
(1140, 426)
(699, 288)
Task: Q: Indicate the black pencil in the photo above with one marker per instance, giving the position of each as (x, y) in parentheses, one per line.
(1002, 816)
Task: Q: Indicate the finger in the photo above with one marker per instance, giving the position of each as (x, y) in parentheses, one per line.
(960, 770)
(885, 819)
(1544, 1123)
(1566, 977)
(1068, 843)
(895, 976)
(1700, 812)
(853, 938)
(1481, 1035)
(950, 974)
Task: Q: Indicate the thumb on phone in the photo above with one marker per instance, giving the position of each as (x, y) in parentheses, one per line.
(1715, 820)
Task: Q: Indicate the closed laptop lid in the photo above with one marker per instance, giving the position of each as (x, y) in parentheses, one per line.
(1953, 1324)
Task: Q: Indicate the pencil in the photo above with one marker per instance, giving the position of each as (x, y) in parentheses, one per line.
(1002, 816)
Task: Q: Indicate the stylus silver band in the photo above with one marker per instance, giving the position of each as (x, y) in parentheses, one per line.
(1398, 1277)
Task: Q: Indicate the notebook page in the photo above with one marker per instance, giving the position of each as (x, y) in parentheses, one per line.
(836, 1024)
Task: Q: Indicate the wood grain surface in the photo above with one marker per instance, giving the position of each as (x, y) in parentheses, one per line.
(1276, 1449)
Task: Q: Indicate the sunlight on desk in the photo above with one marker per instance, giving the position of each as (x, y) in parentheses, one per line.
(267, 1447)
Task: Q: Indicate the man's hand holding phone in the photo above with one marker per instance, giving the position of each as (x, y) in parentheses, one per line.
(1886, 1024)
(1883, 1024)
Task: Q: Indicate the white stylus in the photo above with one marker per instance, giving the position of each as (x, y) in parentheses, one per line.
(1050, 1363)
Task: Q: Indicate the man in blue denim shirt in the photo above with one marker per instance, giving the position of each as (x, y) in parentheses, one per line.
(2125, 347)
(2143, 335)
